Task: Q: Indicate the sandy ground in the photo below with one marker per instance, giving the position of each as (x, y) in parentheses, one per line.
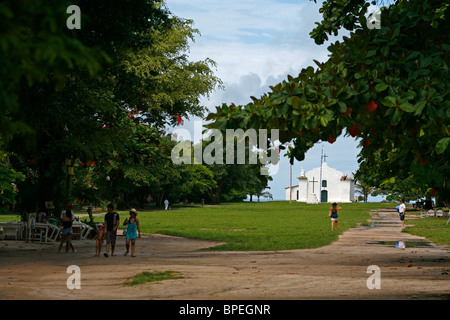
(339, 271)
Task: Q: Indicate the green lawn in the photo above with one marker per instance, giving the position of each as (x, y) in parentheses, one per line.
(433, 229)
(256, 226)
(7, 217)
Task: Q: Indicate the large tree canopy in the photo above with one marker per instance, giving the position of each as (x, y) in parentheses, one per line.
(388, 87)
(104, 89)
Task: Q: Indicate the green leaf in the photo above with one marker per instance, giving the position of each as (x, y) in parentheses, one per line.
(342, 106)
(419, 107)
(421, 133)
(441, 145)
(396, 31)
(370, 53)
(323, 121)
(389, 101)
(408, 107)
(381, 87)
(295, 101)
(396, 117)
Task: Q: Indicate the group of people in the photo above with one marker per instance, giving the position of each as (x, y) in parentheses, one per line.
(105, 231)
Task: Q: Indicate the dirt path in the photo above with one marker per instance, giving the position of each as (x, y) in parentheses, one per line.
(337, 271)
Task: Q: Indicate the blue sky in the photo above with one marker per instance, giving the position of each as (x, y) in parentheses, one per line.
(257, 43)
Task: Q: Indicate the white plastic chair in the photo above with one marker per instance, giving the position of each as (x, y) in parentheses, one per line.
(34, 233)
(11, 229)
(54, 232)
(85, 230)
(430, 213)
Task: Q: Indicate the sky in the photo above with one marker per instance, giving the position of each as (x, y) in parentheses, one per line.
(257, 43)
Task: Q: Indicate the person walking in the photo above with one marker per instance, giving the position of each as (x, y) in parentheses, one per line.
(166, 204)
(401, 211)
(66, 221)
(111, 224)
(333, 214)
(133, 231)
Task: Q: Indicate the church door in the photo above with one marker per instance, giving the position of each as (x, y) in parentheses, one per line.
(324, 196)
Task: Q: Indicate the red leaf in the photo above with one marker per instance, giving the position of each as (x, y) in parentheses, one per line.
(331, 139)
(371, 105)
(179, 120)
(352, 130)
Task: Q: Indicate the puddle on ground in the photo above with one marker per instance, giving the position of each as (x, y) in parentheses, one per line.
(404, 244)
(381, 223)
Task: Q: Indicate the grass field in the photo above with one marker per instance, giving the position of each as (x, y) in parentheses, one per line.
(267, 225)
(433, 229)
(257, 226)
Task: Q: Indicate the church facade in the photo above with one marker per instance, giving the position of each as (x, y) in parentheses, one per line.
(322, 185)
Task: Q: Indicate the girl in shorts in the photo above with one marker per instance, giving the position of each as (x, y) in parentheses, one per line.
(99, 237)
(333, 214)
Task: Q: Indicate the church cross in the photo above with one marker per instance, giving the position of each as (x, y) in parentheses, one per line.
(325, 158)
(313, 183)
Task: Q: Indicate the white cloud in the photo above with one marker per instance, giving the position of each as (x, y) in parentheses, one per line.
(249, 36)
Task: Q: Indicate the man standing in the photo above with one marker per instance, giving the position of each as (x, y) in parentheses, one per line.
(402, 210)
(111, 224)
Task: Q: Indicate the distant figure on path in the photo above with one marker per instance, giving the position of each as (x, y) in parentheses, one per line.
(133, 229)
(111, 224)
(333, 214)
(166, 204)
(401, 211)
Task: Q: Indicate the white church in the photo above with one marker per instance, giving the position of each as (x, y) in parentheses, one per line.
(323, 184)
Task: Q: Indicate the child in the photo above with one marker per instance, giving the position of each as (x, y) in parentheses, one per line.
(99, 237)
(333, 214)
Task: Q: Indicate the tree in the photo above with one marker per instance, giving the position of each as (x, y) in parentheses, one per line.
(81, 102)
(364, 189)
(388, 87)
(8, 183)
(197, 181)
(256, 182)
(36, 49)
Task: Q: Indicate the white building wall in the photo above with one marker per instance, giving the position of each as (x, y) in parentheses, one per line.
(338, 190)
(294, 193)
